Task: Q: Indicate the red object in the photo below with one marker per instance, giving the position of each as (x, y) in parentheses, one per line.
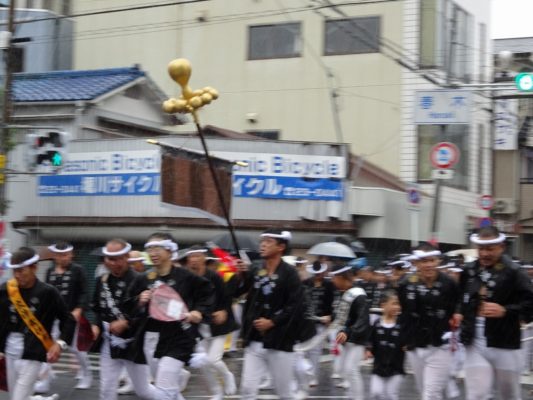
(85, 335)
(444, 155)
(335, 349)
(227, 261)
(3, 375)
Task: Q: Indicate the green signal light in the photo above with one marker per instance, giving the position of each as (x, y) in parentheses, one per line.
(524, 82)
(57, 159)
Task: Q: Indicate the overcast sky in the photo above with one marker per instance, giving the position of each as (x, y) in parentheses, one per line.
(512, 18)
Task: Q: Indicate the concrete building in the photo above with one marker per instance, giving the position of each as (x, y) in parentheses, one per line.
(313, 71)
(43, 40)
(513, 158)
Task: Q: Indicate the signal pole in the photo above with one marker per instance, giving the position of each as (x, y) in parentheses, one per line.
(7, 110)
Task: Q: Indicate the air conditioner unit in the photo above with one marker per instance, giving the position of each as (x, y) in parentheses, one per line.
(504, 206)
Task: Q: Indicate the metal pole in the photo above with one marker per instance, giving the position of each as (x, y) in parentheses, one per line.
(6, 112)
(217, 185)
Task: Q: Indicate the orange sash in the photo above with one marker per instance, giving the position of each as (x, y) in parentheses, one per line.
(27, 316)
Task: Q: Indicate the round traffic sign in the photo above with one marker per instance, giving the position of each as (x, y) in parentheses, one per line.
(486, 202)
(484, 222)
(444, 155)
(413, 195)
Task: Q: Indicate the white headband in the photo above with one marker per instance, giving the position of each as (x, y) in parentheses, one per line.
(340, 271)
(401, 263)
(166, 244)
(474, 238)
(133, 259)
(311, 270)
(189, 252)
(121, 252)
(420, 254)
(56, 250)
(455, 269)
(29, 261)
(285, 235)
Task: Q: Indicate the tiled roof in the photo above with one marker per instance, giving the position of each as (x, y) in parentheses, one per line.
(70, 85)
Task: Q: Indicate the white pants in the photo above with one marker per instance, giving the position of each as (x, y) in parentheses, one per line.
(257, 362)
(431, 368)
(149, 346)
(351, 369)
(486, 367)
(315, 353)
(110, 370)
(237, 313)
(214, 348)
(303, 371)
(21, 374)
(81, 356)
(167, 379)
(527, 348)
(385, 388)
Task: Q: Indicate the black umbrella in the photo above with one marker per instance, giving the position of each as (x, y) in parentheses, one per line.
(246, 241)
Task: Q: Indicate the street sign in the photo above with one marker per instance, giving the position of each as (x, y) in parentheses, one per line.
(413, 196)
(444, 155)
(484, 222)
(442, 107)
(505, 124)
(442, 174)
(486, 202)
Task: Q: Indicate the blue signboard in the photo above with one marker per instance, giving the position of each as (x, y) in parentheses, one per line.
(99, 185)
(287, 187)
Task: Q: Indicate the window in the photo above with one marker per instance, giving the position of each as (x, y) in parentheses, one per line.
(431, 35)
(483, 53)
(352, 36)
(266, 134)
(274, 41)
(428, 136)
(17, 54)
(462, 48)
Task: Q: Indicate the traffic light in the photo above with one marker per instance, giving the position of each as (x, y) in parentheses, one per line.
(524, 81)
(47, 151)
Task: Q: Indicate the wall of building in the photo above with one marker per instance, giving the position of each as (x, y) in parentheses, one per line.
(291, 95)
(50, 45)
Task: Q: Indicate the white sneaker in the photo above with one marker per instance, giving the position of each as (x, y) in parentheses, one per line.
(55, 396)
(42, 386)
(183, 379)
(301, 395)
(127, 388)
(230, 387)
(344, 384)
(266, 385)
(85, 382)
(313, 382)
(335, 376)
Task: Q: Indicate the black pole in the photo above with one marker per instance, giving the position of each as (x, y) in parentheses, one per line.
(218, 188)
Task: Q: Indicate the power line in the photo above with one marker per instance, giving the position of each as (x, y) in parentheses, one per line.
(111, 11)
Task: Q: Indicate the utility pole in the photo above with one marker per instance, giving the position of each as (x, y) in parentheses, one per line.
(442, 134)
(7, 109)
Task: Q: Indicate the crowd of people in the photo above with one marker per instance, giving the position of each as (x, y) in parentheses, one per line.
(420, 311)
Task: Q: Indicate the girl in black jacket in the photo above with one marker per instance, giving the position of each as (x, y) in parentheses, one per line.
(387, 347)
(352, 318)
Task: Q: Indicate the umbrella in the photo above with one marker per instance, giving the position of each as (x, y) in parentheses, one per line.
(245, 241)
(332, 249)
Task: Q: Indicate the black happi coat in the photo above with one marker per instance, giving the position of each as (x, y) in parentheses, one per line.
(72, 285)
(426, 311)
(176, 339)
(46, 305)
(386, 344)
(224, 292)
(321, 296)
(505, 284)
(108, 311)
(277, 297)
(357, 324)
